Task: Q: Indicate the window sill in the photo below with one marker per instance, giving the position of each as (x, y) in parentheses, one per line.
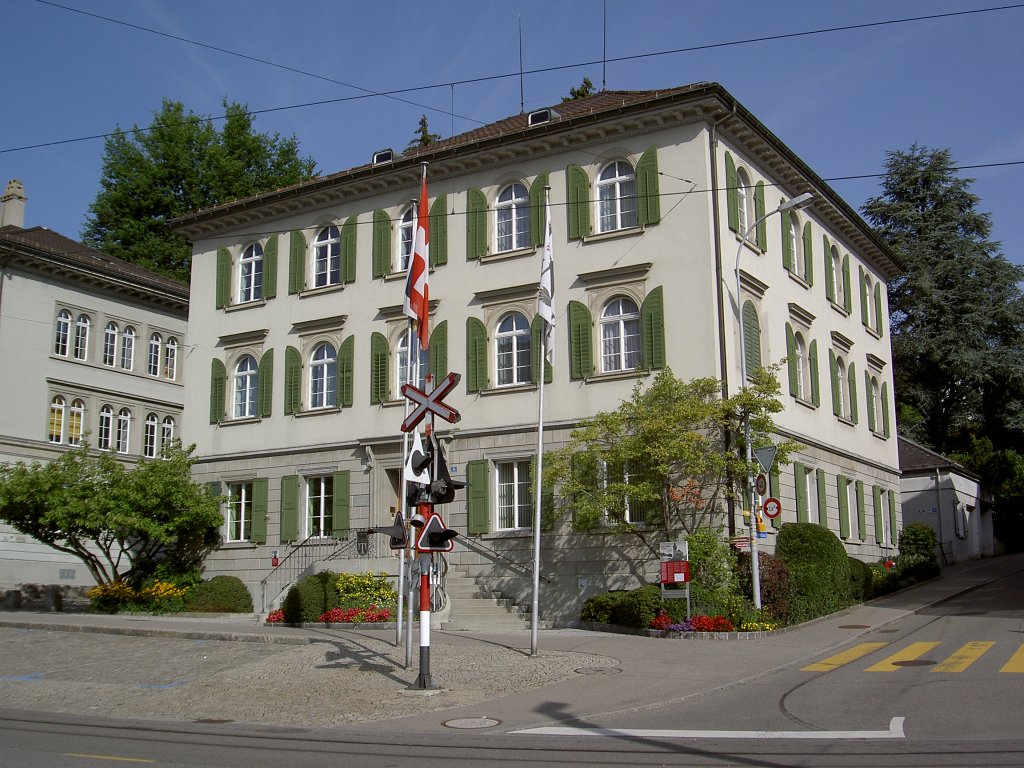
(613, 234)
(879, 435)
(846, 420)
(514, 533)
(320, 290)
(751, 245)
(316, 412)
(515, 253)
(799, 280)
(240, 422)
(242, 305)
(840, 309)
(872, 332)
(806, 403)
(632, 373)
(508, 389)
(236, 545)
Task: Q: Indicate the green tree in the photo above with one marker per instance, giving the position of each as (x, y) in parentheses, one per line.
(586, 89)
(661, 458)
(182, 163)
(120, 522)
(423, 137)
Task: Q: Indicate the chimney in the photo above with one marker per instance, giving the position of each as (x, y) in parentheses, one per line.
(12, 205)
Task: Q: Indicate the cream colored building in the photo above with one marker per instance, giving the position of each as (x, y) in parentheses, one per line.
(296, 324)
(94, 350)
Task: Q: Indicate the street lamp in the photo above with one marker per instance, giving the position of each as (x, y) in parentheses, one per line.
(798, 202)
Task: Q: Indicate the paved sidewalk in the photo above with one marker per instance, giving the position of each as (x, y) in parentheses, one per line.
(222, 669)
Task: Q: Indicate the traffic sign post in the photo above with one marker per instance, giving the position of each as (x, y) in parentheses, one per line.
(772, 507)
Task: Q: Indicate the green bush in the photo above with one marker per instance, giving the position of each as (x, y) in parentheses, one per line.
(598, 608)
(918, 540)
(310, 597)
(712, 570)
(638, 607)
(221, 594)
(861, 581)
(361, 590)
(819, 570)
(774, 578)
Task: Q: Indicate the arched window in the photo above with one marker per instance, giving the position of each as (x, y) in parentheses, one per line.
(61, 333)
(512, 218)
(744, 200)
(56, 430)
(616, 197)
(250, 274)
(167, 429)
(842, 389)
(512, 348)
(420, 362)
(327, 257)
(149, 436)
(244, 387)
(620, 335)
(124, 424)
(153, 358)
(406, 229)
(128, 348)
(171, 359)
(323, 377)
(110, 344)
(836, 276)
(802, 366)
(82, 337)
(876, 406)
(106, 427)
(76, 417)
(794, 244)
(751, 338)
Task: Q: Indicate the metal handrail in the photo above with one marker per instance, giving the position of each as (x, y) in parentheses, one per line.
(476, 546)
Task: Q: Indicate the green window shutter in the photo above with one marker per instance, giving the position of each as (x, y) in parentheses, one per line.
(438, 352)
(648, 195)
(346, 372)
(885, 408)
(439, 231)
(381, 251)
(791, 362)
(732, 196)
(223, 297)
(379, 354)
(773, 489)
(652, 330)
(869, 401)
(878, 308)
(581, 354)
(851, 381)
(476, 224)
(289, 508)
(265, 385)
(341, 502)
(819, 475)
(787, 244)
(863, 297)
(830, 269)
(537, 351)
(800, 483)
(292, 380)
(843, 491)
(808, 254)
(476, 355)
(296, 262)
(751, 337)
(762, 220)
(259, 510)
(812, 358)
(477, 497)
(833, 373)
(847, 298)
(861, 512)
(893, 521)
(537, 233)
(348, 249)
(218, 384)
(578, 195)
(270, 268)
(876, 493)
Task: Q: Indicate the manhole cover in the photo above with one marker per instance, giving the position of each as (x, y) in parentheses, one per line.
(472, 722)
(598, 671)
(853, 626)
(914, 663)
(212, 720)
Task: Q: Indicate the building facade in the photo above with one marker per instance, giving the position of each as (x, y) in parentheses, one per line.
(94, 349)
(297, 325)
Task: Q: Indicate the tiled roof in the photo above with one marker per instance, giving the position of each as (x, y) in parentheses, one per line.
(46, 242)
(917, 458)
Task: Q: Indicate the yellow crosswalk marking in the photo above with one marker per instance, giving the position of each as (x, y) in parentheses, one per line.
(910, 653)
(1016, 662)
(963, 658)
(845, 657)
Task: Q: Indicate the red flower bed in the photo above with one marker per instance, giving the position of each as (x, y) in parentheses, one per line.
(356, 615)
(711, 624)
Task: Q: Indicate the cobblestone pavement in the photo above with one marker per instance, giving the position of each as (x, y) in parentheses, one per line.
(344, 678)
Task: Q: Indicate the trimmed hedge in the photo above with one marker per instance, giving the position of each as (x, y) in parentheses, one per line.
(221, 594)
(311, 597)
(819, 570)
(773, 575)
(861, 582)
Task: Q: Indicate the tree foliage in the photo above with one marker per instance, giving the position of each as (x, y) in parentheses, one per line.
(182, 163)
(586, 89)
(120, 522)
(661, 459)
(423, 137)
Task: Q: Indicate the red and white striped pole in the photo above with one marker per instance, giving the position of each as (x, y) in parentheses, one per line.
(423, 681)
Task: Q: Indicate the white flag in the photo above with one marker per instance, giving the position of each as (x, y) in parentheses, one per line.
(546, 303)
(416, 456)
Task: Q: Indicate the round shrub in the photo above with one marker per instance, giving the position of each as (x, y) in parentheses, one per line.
(774, 578)
(861, 581)
(638, 607)
(311, 597)
(598, 608)
(917, 540)
(221, 594)
(819, 570)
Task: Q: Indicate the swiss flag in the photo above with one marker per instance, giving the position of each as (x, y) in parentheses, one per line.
(417, 292)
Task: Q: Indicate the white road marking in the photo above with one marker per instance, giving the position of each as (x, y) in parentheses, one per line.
(895, 732)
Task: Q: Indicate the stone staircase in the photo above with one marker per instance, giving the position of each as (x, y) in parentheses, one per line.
(474, 606)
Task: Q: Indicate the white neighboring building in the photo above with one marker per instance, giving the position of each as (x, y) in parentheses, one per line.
(95, 349)
(297, 326)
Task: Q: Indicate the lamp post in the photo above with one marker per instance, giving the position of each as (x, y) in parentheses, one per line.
(800, 201)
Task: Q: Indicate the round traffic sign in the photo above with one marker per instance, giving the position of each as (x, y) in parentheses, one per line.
(772, 507)
(761, 484)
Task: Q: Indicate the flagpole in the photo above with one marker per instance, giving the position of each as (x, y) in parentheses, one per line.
(545, 308)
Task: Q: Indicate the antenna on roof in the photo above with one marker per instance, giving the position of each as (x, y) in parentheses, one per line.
(522, 100)
(604, 52)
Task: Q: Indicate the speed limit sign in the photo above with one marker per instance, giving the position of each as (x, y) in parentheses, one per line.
(772, 507)
(761, 484)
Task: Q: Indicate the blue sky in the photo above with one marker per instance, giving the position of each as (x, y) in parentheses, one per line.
(839, 99)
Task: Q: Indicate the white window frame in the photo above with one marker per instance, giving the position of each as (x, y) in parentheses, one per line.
(62, 333)
(239, 523)
(250, 274)
(80, 350)
(618, 330)
(128, 348)
(512, 345)
(122, 438)
(323, 376)
(327, 257)
(421, 362)
(149, 436)
(167, 429)
(838, 287)
(320, 506)
(744, 201)
(243, 387)
(106, 428)
(513, 499)
(876, 404)
(616, 197)
(512, 218)
(110, 344)
(76, 422)
(405, 242)
(842, 373)
(171, 359)
(55, 430)
(153, 355)
(803, 366)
